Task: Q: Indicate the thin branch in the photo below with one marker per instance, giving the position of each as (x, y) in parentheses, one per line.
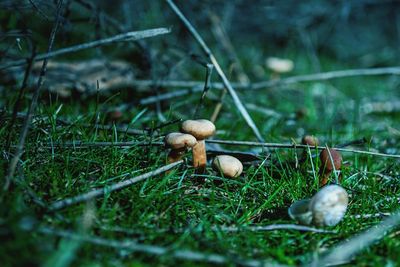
(345, 251)
(79, 144)
(220, 72)
(196, 85)
(21, 93)
(297, 146)
(32, 106)
(209, 68)
(233, 143)
(40, 12)
(368, 216)
(328, 76)
(133, 246)
(124, 37)
(118, 186)
(272, 227)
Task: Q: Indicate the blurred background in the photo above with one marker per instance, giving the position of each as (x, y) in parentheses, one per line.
(317, 36)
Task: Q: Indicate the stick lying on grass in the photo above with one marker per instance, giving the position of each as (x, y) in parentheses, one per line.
(222, 142)
(133, 246)
(100, 192)
(196, 86)
(124, 37)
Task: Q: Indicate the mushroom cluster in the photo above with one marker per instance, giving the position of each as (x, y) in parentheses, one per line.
(192, 136)
(326, 208)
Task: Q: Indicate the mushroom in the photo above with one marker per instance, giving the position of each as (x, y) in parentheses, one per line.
(229, 166)
(327, 157)
(300, 211)
(200, 129)
(279, 66)
(329, 205)
(309, 140)
(325, 208)
(178, 143)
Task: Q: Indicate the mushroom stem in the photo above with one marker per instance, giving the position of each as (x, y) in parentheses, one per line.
(199, 155)
(324, 177)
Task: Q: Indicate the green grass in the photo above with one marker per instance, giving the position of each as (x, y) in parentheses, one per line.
(177, 211)
(156, 210)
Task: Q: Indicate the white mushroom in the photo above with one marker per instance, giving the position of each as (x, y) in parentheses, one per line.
(229, 166)
(325, 208)
(329, 205)
(279, 65)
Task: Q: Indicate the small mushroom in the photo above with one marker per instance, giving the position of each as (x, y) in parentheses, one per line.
(329, 205)
(178, 143)
(279, 66)
(309, 140)
(200, 129)
(229, 166)
(326, 168)
(325, 208)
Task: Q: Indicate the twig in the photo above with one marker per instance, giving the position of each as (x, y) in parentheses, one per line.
(122, 129)
(328, 76)
(345, 251)
(124, 37)
(220, 72)
(209, 68)
(32, 106)
(133, 246)
(196, 85)
(218, 107)
(367, 216)
(238, 143)
(170, 95)
(297, 146)
(79, 144)
(272, 227)
(41, 13)
(220, 33)
(118, 186)
(19, 98)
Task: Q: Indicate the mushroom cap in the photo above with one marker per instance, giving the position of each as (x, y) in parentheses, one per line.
(279, 65)
(230, 166)
(329, 205)
(326, 162)
(310, 140)
(201, 129)
(179, 140)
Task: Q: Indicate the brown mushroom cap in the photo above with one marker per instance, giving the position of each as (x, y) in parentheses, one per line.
(180, 140)
(230, 166)
(201, 129)
(326, 161)
(310, 140)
